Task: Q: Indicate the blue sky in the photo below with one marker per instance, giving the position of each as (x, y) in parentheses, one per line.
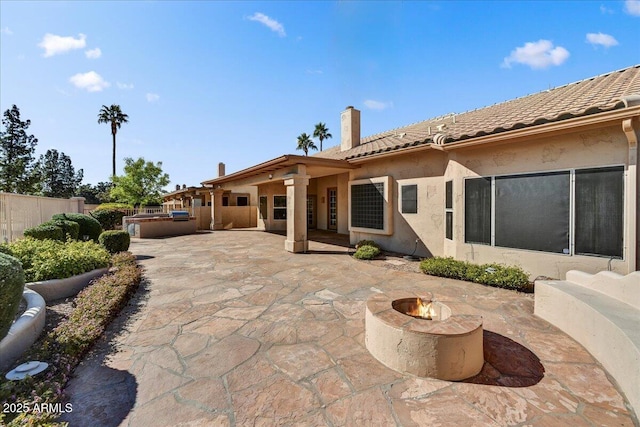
(237, 82)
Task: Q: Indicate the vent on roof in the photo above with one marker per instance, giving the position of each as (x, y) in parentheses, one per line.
(441, 127)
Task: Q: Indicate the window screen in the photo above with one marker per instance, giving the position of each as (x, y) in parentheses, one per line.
(409, 199)
(599, 211)
(367, 205)
(279, 207)
(477, 210)
(263, 207)
(532, 212)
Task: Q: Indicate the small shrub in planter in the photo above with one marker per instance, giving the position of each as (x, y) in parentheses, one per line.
(89, 226)
(11, 287)
(45, 231)
(366, 252)
(367, 243)
(115, 241)
(109, 219)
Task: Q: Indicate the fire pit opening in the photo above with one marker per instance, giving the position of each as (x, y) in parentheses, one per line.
(422, 309)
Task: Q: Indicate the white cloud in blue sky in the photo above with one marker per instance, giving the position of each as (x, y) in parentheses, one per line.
(270, 23)
(54, 45)
(537, 55)
(632, 7)
(124, 86)
(600, 39)
(90, 81)
(7, 31)
(93, 53)
(606, 10)
(152, 97)
(372, 104)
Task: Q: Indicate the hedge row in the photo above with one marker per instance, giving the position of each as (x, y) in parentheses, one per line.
(488, 274)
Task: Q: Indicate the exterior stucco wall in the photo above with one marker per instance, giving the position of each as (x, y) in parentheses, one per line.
(341, 182)
(424, 169)
(599, 148)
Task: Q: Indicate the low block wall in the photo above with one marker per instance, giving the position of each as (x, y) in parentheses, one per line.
(160, 227)
(602, 313)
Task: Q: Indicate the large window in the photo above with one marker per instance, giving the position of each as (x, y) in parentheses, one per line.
(370, 205)
(409, 199)
(534, 211)
(279, 207)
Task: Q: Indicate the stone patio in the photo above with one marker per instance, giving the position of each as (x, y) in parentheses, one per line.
(235, 331)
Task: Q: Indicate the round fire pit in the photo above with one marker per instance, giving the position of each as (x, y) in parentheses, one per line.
(423, 337)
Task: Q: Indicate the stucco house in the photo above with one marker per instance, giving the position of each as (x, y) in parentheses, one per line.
(548, 182)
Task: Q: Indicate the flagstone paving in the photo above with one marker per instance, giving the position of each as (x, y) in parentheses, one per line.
(235, 331)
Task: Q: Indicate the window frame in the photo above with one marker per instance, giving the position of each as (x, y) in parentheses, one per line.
(279, 208)
(387, 209)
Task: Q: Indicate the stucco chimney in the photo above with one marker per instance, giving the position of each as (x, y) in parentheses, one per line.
(221, 169)
(177, 187)
(350, 128)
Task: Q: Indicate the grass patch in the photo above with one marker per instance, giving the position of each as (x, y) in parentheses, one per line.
(65, 346)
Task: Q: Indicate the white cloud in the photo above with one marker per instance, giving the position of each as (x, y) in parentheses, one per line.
(632, 7)
(152, 97)
(7, 31)
(91, 81)
(54, 45)
(605, 40)
(124, 86)
(540, 54)
(377, 105)
(93, 53)
(606, 10)
(272, 24)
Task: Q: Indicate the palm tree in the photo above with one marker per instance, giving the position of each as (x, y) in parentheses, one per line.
(321, 132)
(305, 143)
(116, 117)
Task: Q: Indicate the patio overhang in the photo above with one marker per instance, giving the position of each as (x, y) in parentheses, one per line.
(280, 168)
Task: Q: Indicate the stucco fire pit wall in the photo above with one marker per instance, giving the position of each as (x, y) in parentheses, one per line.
(449, 347)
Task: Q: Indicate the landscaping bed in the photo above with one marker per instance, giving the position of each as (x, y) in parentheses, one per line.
(73, 325)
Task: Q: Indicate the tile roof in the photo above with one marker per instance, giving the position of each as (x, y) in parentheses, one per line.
(597, 94)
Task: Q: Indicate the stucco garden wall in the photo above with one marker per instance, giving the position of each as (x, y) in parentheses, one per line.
(599, 148)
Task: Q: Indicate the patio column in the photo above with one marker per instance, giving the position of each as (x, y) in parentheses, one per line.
(216, 209)
(296, 213)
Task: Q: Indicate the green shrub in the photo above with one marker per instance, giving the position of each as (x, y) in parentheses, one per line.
(115, 241)
(362, 243)
(109, 219)
(70, 229)
(11, 287)
(89, 226)
(52, 259)
(366, 252)
(118, 206)
(487, 274)
(45, 231)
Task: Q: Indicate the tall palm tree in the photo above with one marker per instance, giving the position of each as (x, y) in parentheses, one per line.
(116, 117)
(321, 132)
(305, 143)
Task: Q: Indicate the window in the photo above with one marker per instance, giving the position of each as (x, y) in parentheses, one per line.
(242, 201)
(225, 200)
(532, 212)
(477, 210)
(280, 207)
(448, 209)
(263, 207)
(549, 211)
(599, 206)
(371, 205)
(409, 199)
